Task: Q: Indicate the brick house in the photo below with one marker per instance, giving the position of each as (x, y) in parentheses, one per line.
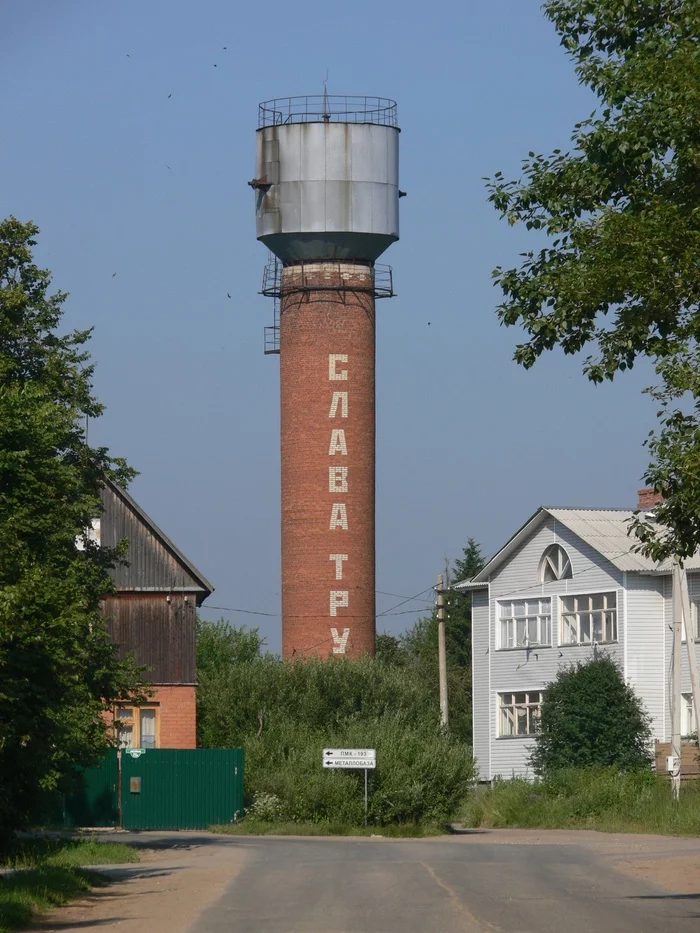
(153, 616)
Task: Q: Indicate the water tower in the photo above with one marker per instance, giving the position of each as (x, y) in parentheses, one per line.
(327, 206)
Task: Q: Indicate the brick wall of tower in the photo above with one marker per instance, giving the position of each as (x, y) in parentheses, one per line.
(327, 353)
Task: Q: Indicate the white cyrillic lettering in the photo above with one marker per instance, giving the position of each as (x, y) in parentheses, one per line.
(339, 600)
(334, 358)
(340, 641)
(339, 398)
(338, 444)
(337, 479)
(339, 516)
(338, 558)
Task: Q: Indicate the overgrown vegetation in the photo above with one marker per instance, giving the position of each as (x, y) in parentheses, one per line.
(590, 717)
(48, 875)
(283, 715)
(58, 667)
(605, 799)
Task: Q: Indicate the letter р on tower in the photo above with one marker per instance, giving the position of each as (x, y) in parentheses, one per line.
(327, 194)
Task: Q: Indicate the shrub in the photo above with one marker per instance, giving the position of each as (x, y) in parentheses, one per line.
(591, 718)
(284, 714)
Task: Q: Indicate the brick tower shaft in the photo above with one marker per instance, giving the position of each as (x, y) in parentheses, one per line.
(327, 388)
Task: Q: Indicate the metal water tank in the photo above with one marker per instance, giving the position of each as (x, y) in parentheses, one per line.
(327, 177)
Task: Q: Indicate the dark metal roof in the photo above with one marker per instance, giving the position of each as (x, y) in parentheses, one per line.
(154, 563)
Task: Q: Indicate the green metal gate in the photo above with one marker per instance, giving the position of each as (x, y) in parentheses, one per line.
(165, 788)
(171, 788)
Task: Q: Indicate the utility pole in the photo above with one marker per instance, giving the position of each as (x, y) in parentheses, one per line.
(676, 682)
(442, 655)
(690, 636)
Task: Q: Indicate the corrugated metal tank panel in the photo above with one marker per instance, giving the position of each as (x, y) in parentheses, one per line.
(150, 564)
(644, 631)
(333, 190)
(160, 635)
(480, 681)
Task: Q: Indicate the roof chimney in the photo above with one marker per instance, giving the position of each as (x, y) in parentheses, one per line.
(647, 498)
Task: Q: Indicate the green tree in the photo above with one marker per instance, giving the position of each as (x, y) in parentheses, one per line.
(58, 669)
(222, 644)
(619, 274)
(590, 717)
(418, 646)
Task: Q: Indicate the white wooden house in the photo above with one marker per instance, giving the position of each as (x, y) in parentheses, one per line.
(567, 585)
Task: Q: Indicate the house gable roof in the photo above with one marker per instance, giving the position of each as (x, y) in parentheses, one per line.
(153, 562)
(606, 530)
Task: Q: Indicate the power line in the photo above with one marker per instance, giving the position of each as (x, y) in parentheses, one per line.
(248, 612)
(407, 600)
(276, 615)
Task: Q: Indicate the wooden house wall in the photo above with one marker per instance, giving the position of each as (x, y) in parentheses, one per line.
(159, 634)
(150, 564)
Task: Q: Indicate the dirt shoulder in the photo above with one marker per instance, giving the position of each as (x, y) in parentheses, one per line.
(164, 893)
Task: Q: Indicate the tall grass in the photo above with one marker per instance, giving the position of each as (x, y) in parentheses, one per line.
(604, 799)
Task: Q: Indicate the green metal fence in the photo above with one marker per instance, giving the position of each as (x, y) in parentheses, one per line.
(163, 788)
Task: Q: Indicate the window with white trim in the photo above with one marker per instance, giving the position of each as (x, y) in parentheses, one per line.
(519, 713)
(524, 623)
(555, 565)
(694, 616)
(587, 619)
(688, 726)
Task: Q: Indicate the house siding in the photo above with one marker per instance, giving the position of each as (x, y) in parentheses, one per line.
(159, 631)
(149, 565)
(480, 681)
(645, 645)
(532, 669)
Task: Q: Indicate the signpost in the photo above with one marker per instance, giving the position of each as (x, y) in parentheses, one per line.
(364, 758)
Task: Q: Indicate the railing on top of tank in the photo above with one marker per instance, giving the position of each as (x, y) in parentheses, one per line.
(327, 108)
(382, 285)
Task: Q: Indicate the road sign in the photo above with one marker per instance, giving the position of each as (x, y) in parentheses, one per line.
(349, 758)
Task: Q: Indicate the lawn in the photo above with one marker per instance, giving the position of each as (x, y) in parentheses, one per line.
(49, 873)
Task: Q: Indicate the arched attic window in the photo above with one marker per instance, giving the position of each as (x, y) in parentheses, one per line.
(555, 565)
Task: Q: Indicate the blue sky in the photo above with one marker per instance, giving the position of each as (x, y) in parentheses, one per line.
(123, 178)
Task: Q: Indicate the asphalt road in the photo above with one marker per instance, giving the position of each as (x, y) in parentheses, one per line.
(343, 886)
(466, 884)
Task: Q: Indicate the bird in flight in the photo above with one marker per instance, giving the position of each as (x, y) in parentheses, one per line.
(228, 294)
(170, 95)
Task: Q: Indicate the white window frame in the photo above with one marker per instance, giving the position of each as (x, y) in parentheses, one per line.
(579, 612)
(525, 710)
(694, 619)
(541, 618)
(564, 569)
(688, 726)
